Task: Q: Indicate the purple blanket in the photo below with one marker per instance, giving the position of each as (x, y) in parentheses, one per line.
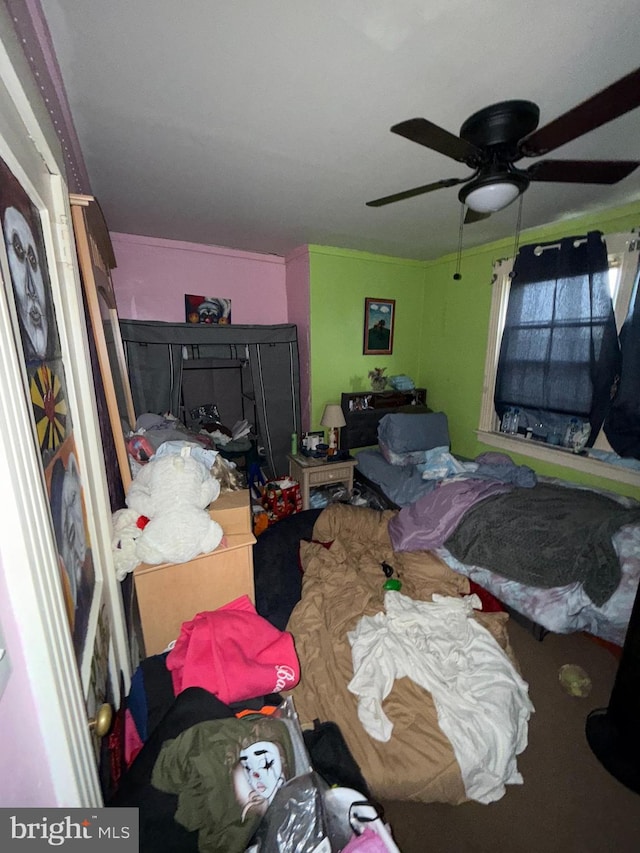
(428, 523)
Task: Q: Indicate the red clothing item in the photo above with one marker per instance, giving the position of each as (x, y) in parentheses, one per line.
(490, 604)
(233, 653)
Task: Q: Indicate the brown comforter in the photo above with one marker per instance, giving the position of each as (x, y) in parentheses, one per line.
(340, 585)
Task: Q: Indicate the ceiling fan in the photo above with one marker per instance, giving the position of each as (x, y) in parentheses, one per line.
(496, 137)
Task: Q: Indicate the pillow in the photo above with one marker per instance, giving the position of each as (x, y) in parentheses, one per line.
(414, 457)
(403, 436)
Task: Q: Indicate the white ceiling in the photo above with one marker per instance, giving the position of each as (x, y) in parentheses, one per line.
(264, 124)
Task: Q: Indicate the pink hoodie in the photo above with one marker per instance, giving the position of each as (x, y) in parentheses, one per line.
(233, 653)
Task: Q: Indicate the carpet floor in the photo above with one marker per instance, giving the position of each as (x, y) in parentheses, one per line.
(568, 803)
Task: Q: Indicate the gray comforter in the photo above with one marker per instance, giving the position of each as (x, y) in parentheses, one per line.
(546, 536)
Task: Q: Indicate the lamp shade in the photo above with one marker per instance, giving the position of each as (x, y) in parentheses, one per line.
(332, 417)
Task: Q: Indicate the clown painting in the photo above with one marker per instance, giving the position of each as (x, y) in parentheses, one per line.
(210, 310)
(26, 275)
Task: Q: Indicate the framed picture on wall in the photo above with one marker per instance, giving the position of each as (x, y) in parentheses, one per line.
(379, 318)
(207, 309)
(46, 374)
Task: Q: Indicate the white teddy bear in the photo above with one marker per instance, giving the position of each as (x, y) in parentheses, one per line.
(127, 526)
(173, 493)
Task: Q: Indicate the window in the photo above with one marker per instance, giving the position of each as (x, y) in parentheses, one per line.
(623, 252)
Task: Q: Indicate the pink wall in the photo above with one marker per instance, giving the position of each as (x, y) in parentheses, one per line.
(24, 773)
(153, 275)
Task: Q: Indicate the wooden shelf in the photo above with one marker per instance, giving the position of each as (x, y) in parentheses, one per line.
(363, 411)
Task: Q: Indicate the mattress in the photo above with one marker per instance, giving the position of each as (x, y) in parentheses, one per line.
(402, 484)
(568, 609)
(562, 609)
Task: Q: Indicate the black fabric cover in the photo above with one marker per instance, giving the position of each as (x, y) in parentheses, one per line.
(276, 566)
(154, 351)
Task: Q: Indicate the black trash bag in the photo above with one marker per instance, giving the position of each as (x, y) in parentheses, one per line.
(332, 759)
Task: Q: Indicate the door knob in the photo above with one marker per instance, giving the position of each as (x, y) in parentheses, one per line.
(101, 723)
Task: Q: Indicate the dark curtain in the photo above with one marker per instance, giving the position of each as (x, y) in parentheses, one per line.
(622, 425)
(559, 355)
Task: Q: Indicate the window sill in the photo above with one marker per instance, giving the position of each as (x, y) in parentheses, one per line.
(559, 456)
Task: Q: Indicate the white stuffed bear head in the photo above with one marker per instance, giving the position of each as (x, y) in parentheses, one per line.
(126, 531)
(171, 481)
(172, 492)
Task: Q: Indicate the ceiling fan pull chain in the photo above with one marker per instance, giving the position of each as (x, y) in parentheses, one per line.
(518, 227)
(456, 275)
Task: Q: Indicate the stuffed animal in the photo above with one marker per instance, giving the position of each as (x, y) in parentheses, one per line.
(172, 492)
(127, 525)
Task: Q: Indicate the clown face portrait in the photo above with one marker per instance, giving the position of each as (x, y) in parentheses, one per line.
(28, 283)
(66, 504)
(259, 773)
(216, 311)
(208, 309)
(262, 765)
(74, 543)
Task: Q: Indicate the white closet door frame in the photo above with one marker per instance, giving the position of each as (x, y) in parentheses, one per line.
(29, 555)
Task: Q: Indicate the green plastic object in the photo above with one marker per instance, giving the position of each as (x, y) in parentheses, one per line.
(393, 583)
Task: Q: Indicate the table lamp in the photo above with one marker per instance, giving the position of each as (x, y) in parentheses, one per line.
(333, 419)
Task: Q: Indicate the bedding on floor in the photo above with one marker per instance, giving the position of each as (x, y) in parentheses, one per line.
(460, 657)
(568, 533)
(565, 557)
(568, 609)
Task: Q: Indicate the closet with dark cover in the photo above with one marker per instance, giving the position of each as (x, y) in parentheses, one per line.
(263, 360)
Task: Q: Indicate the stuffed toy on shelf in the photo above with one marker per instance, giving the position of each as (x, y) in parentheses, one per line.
(166, 520)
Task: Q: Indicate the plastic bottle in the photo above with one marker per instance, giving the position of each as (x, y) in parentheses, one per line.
(515, 421)
(507, 418)
(294, 443)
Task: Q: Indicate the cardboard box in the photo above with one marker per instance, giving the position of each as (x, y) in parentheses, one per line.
(232, 511)
(172, 593)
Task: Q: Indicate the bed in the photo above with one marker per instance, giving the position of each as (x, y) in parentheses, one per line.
(421, 682)
(499, 524)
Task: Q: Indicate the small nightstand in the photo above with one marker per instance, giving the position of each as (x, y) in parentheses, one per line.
(318, 472)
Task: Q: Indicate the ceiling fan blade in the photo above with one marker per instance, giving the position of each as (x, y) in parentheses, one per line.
(610, 103)
(426, 133)
(474, 216)
(582, 171)
(427, 188)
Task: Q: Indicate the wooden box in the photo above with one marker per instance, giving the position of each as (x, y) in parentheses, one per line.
(172, 593)
(232, 511)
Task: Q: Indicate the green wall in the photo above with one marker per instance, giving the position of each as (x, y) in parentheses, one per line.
(441, 327)
(340, 281)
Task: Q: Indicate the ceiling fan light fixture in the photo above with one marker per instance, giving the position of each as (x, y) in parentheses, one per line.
(492, 197)
(490, 193)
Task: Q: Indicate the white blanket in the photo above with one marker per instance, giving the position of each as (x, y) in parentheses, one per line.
(482, 702)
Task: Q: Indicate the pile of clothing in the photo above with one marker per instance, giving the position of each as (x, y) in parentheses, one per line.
(216, 761)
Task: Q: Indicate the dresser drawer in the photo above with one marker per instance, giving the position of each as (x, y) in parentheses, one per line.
(330, 473)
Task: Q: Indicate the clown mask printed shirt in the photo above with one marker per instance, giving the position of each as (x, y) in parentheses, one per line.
(225, 774)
